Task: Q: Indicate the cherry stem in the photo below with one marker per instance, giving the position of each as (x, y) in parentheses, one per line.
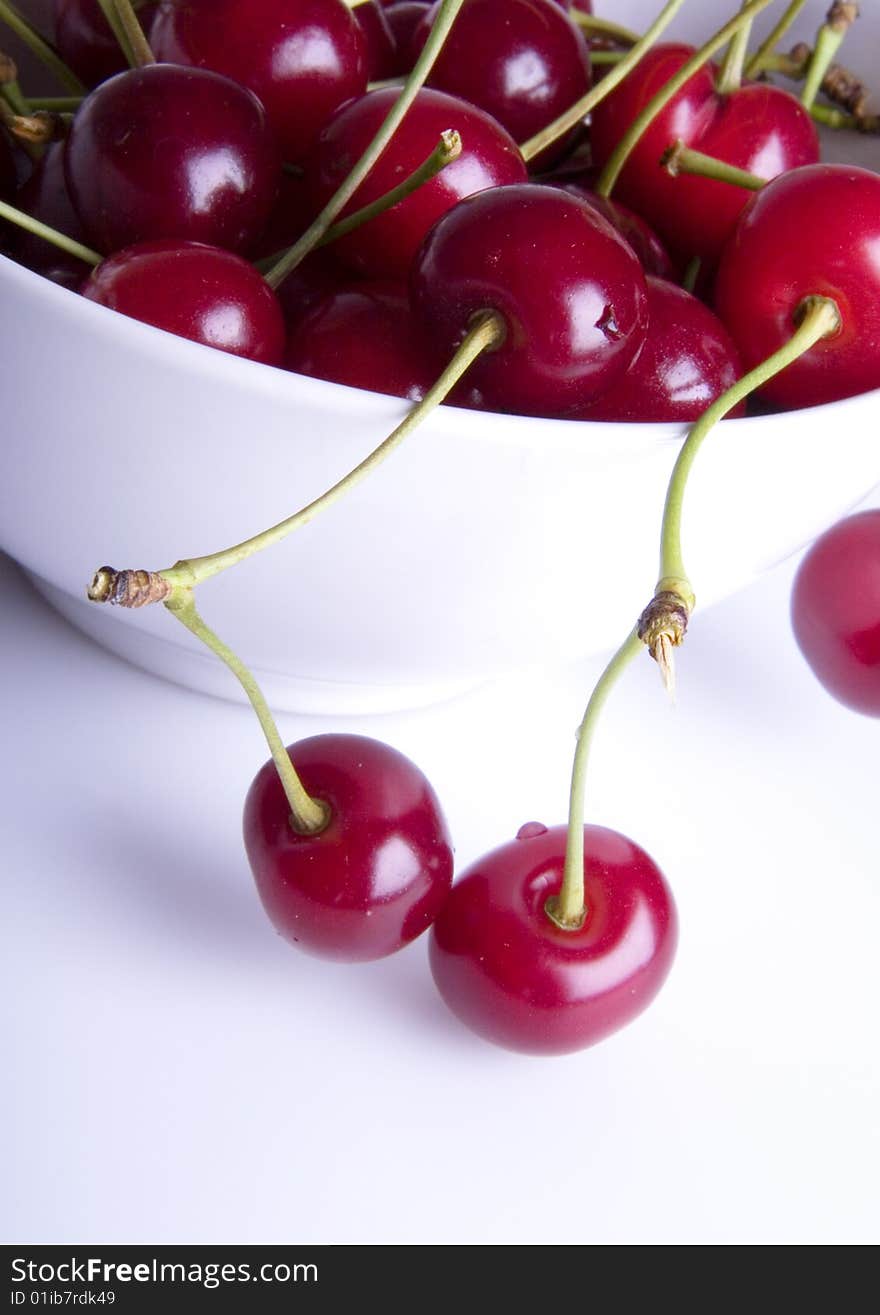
(39, 46)
(828, 39)
(10, 91)
(60, 240)
(691, 273)
(58, 104)
(631, 138)
(831, 117)
(447, 150)
(568, 909)
(816, 318)
(663, 623)
(758, 61)
(307, 815)
(730, 74)
(137, 48)
(312, 236)
(487, 331)
(37, 129)
(603, 27)
(680, 159)
(581, 108)
(108, 8)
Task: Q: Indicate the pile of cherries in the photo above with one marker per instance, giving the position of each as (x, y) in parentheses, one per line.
(191, 175)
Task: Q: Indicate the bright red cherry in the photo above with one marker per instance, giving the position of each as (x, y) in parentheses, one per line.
(199, 292)
(759, 128)
(517, 979)
(376, 877)
(170, 152)
(302, 60)
(570, 290)
(384, 247)
(835, 610)
(814, 231)
(44, 197)
(86, 42)
(524, 63)
(640, 236)
(366, 337)
(686, 361)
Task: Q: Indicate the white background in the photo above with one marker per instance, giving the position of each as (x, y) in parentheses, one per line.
(177, 1073)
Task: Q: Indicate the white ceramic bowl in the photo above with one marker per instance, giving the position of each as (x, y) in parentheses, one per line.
(487, 544)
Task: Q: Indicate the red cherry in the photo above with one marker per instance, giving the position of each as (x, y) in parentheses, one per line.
(404, 18)
(380, 43)
(86, 42)
(686, 361)
(571, 331)
(525, 66)
(169, 152)
(384, 247)
(835, 610)
(759, 128)
(199, 292)
(365, 337)
(517, 979)
(376, 877)
(641, 237)
(302, 60)
(814, 231)
(44, 197)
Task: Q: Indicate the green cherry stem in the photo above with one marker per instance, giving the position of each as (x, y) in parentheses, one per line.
(730, 74)
(662, 624)
(816, 318)
(581, 108)
(39, 46)
(129, 23)
(58, 104)
(10, 92)
(307, 815)
(568, 909)
(840, 19)
(108, 8)
(628, 142)
(486, 332)
(312, 236)
(60, 240)
(447, 150)
(759, 61)
(680, 159)
(603, 27)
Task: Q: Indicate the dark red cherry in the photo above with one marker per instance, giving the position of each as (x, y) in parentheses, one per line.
(377, 875)
(380, 43)
(44, 197)
(517, 979)
(366, 337)
(570, 290)
(302, 60)
(523, 62)
(404, 19)
(384, 247)
(199, 292)
(814, 231)
(686, 361)
(759, 128)
(640, 236)
(835, 610)
(170, 152)
(86, 42)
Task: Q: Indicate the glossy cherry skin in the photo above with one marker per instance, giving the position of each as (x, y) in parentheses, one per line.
(366, 337)
(570, 290)
(86, 42)
(199, 292)
(835, 610)
(522, 62)
(44, 196)
(517, 979)
(378, 874)
(404, 19)
(759, 128)
(302, 60)
(384, 247)
(815, 231)
(381, 46)
(686, 361)
(170, 152)
(641, 237)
